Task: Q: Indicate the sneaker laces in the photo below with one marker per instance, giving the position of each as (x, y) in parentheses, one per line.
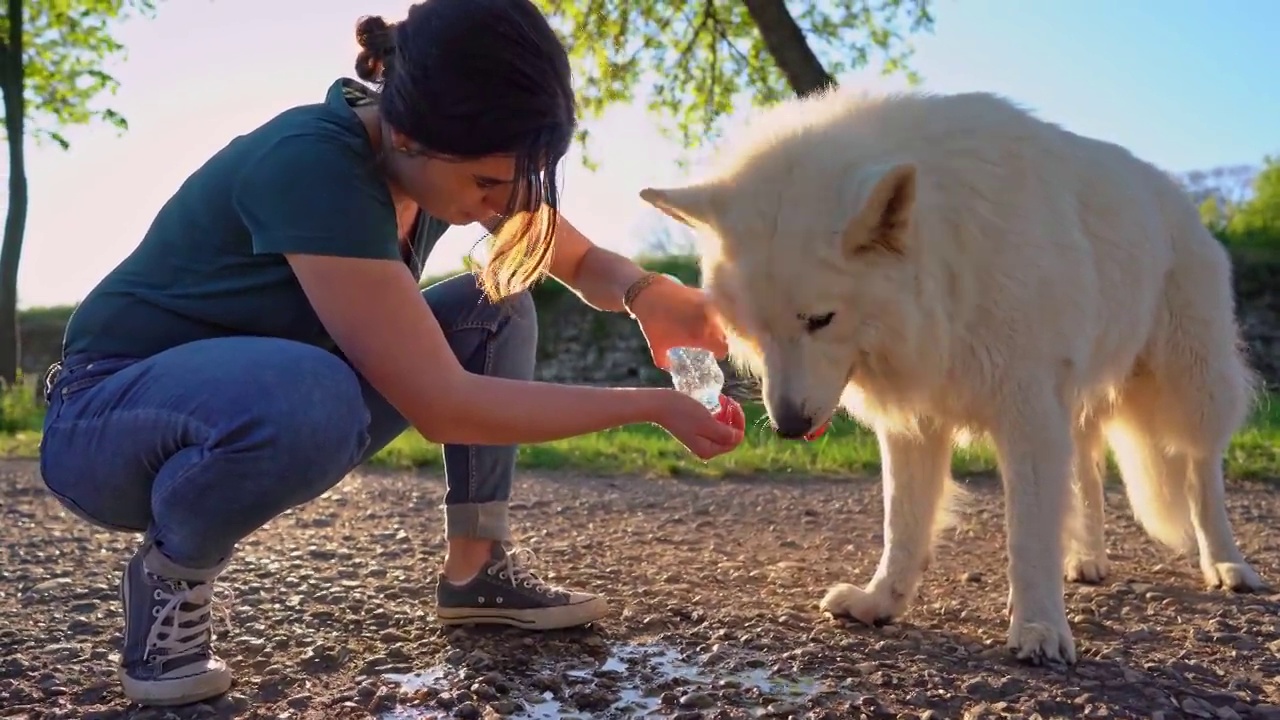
(183, 625)
(516, 567)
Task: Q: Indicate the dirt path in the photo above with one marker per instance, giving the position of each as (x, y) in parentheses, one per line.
(714, 588)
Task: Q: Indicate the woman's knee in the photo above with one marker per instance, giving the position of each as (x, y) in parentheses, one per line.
(510, 326)
(460, 302)
(521, 320)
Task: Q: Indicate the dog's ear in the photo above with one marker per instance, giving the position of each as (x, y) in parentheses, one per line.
(691, 204)
(879, 203)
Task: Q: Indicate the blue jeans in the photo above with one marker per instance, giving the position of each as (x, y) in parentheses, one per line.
(202, 444)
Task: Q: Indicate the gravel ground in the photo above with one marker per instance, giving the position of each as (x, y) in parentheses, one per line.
(714, 588)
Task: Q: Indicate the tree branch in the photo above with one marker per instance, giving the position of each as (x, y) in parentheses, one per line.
(786, 43)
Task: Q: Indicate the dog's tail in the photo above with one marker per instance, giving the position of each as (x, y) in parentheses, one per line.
(1155, 480)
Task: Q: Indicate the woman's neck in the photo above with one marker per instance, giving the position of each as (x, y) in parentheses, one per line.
(406, 209)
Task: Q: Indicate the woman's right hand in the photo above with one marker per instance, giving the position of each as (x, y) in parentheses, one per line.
(696, 428)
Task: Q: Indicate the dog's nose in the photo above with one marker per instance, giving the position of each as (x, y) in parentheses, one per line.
(790, 420)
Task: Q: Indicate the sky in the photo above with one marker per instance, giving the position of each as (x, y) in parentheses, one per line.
(1182, 83)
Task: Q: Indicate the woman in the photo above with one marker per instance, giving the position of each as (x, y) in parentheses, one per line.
(269, 334)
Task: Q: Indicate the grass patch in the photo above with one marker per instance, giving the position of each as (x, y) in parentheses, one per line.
(648, 450)
(19, 411)
(845, 449)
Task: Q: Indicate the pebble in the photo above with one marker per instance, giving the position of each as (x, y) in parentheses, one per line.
(782, 709)
(699, 700)
(48, 587)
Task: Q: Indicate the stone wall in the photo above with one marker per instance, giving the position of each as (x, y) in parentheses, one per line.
(579, 344)
(1258, 308)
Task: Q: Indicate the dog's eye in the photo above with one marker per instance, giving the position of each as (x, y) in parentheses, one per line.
(814, 323)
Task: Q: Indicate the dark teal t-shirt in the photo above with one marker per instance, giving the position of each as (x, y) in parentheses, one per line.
(212, 264)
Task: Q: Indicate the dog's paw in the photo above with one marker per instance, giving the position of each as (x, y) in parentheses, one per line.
(1038, 642)
(1234, 576)
(873, 606)
(1084, 568)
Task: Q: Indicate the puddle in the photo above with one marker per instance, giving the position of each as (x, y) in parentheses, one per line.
(629, 683)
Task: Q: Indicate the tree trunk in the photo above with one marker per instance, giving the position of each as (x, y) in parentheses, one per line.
(786, 43)
(16, 222)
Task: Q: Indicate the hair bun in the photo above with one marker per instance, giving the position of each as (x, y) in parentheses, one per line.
(377, 41)
(371, 31)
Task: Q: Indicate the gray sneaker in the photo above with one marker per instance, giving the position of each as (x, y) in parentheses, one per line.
(168, 657)
(506, 592)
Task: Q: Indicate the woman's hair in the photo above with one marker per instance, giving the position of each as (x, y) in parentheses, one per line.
(472, 78)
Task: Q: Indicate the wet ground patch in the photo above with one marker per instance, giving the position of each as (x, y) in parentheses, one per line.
(634, 680)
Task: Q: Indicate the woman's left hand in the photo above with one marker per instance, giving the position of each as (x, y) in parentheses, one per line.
(673, 315)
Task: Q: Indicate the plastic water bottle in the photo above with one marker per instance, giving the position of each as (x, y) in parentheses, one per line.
(696, 373)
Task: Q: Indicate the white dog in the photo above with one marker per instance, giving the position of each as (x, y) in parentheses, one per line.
(943, 266)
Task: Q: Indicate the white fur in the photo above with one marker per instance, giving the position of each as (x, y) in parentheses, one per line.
(994, 274)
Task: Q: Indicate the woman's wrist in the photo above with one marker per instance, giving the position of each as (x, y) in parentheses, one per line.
(651, 405)
(604, 279)
(636, 289)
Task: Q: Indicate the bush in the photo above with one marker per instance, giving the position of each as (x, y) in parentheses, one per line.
(19, 409)
(684, 267)
(1252, 224)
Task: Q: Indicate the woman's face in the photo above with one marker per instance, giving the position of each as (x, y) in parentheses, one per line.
(459, 192)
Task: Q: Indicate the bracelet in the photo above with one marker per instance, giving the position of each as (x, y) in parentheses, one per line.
(636, 288)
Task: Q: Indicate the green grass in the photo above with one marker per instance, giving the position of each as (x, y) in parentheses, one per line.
(646, 450)
(20, 420)
(649, 450)
(846, 448)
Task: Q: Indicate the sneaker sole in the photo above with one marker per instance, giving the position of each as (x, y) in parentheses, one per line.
(551, 618)
(179, 691)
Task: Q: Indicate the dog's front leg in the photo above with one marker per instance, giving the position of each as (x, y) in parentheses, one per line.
(916, 468)
(1034, 448)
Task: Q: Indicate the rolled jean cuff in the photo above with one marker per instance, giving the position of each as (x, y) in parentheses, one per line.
(483, 521)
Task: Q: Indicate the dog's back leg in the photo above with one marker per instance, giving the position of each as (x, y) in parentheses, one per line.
(1086, 560)
(1177, 416)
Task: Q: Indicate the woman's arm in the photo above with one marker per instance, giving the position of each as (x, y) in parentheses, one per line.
(599, 276)
(374, 311)
(669, 313)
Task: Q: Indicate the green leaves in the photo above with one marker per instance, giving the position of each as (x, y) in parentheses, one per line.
(66, 43)
(1258, 218)
(1240, 204)
(697, 59)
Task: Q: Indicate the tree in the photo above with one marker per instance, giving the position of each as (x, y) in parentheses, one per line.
(1256, 221)
(699, 57)
(1218, 192)
(51, 63)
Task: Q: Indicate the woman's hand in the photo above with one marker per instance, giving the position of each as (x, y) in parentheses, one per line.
(730, 413)
(705, 434)
(673, 315)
